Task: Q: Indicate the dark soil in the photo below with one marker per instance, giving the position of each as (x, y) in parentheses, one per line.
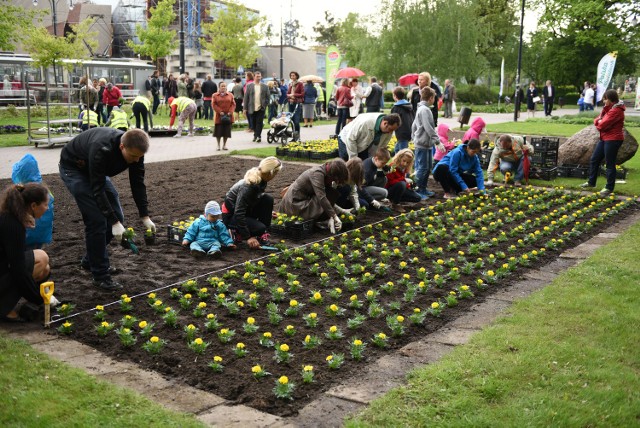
(179, 189)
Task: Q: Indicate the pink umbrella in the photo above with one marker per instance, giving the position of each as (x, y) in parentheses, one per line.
(349, 72)
(408, 79)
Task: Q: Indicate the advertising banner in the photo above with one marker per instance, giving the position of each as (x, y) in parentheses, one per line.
(605, 71)
(333, 64)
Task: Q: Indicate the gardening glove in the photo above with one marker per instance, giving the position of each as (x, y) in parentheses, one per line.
(149, 224)
(337, 223)
(341, 210)
(441, 148)
(355, 202)
(408, 180)
(331, 225)
(117, 230)
(376, 205)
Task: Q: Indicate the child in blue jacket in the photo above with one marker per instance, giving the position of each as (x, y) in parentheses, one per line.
(208, 233)
(460, 170)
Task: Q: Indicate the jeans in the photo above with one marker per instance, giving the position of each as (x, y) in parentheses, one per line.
(296, 116)
(517, 167)
(97, 231)
(588, 107)
(400, 145)
(208, 110)
(422, 165)
(205, 247)
(257, 118)
(257, 218)
(377, 193)
(343, 115)
(156, 103)
(443, 176)
(608, 151)
(273, 112)
(344, 155)
(400, 193)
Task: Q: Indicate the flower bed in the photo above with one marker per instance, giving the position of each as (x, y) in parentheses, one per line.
(273, 332)
(12, 129)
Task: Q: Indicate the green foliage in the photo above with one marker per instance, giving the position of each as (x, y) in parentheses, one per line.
(327, 30)
(46, 49)
(15, 24)
(497, 25)
(233, 36)
(476, 94)
(157, 40)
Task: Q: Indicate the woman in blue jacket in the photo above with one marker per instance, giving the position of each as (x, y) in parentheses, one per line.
(309, 104)
(460, 170)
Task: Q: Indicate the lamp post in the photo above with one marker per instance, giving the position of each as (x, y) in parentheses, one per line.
(181, 35)
(517, 97)
(54, 16)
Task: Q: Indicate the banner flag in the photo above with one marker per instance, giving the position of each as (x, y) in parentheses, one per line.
(605, 71)
(333, 59)
(501, 77)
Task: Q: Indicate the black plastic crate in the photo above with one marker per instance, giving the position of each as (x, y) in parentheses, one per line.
(543, 173)
(485, 158)
(282, 151)
(621, 173)
(545, 143)
(573, 171)
(545, 159)
(175, 234)
(294, 230)
(321, 155)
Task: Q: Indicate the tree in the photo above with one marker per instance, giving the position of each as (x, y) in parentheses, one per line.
(157, 41)
(574, 34)
(328, 30)
(233, 36)
(15, 24)
(291, 32)
(498, 29)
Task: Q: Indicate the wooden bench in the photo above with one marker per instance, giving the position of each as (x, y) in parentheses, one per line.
(13, 96)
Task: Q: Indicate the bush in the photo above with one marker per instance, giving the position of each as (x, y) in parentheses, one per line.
(475, 94)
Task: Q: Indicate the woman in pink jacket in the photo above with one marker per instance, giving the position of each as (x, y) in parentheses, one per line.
(477, 128)
(443, 134)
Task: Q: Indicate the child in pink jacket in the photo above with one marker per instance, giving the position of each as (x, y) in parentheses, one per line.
(477, 128)
(443, 134)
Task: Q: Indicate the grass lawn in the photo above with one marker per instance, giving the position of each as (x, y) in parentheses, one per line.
(567, 355)
(38, 391)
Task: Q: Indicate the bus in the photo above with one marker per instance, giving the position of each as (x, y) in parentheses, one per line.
(128, 74)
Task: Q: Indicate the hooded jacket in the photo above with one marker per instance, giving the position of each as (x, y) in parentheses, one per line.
(407, 115)
(610, 122)
(423, 133)
(476, 128)
(443, 134)
(459, 161)
(208, 232)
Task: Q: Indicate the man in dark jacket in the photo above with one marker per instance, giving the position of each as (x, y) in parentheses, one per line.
(209, 88)
(404, 109)
(548, 95)
(373, 94)
(256, 100)
(86, 163)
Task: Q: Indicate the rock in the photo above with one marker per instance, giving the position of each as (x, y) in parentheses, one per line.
(578, 148)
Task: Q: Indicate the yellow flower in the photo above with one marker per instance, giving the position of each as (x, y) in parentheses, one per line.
(240, 345)
(191, 327)
(353, 298)
(152, 295)
(323, 275)
(330, 357)
(357, 342)
(154, 339)
(224, 330)
(307, 338)
(307, 368)
(99, 308)
(289, 327)
(416, 310)
(210, 316)
(400, 318)
(168, 309)
(333, 329)
(256, 369)
(127, 300)
(293, 303)
(338, 290)
(464, 288)
(240, 303)
(490, 273)
(440, 261)
(253, 296)
(157, 303)
(382, 336)
(317, 296)
(187, 296)
(333, 308)
(217, 359)
(251, 321)
(283, 380)
(284, 347)
(202, 305)
(435, 305)
(369, 293)
(105, 324)
(256, 281)
(124, 330)
(266, 334)
(280, 290)
(127, 317)
(198, 341)
(142, 324)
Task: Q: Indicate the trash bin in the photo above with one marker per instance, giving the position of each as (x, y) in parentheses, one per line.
(465, 115)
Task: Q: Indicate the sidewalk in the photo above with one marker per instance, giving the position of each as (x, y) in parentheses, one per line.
(168, 148)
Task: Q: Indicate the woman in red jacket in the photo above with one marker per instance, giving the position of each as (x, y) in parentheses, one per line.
(111, 97)
(610, 124)
(223, 104)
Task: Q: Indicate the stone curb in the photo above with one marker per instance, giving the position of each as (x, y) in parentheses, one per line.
(341, 401)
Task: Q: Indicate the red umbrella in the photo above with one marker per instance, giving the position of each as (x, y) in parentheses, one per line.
(349, 72)
(408, 79)
(526, 165)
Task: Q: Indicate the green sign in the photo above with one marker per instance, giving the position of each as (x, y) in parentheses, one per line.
(333, 65)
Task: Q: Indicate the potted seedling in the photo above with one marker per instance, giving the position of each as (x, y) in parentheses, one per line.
(149, 237)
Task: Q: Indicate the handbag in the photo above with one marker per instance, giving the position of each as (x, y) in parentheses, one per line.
(347, 103)
(225, 119)
(536, 99)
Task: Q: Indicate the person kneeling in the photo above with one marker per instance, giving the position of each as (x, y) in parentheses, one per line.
(460, 170)
(208, 233)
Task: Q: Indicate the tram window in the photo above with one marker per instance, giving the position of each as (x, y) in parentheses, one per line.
(33, 74)
(122, 77)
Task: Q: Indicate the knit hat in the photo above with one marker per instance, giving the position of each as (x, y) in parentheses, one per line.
(212, 208)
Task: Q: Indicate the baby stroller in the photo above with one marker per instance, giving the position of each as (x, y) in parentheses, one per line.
(281, 128)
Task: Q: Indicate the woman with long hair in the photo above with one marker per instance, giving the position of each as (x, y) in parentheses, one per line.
(21, 270)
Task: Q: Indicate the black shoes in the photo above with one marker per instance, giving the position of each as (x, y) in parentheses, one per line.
(258, 140)
(107, 284)
(215, 254)
(112, 270)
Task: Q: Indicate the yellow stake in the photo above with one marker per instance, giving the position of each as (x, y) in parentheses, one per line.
(46, 291)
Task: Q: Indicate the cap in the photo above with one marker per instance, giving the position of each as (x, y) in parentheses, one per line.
(212, 208)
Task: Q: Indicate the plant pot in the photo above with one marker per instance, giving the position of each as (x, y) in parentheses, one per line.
(150, 239)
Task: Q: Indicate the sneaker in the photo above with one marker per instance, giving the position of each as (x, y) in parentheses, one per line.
(517, 183)
(586, 185)
(258, 140)
(397, 207)
(423, 194)
(489, 183)
(254, 140)
(429, 193)
(605, 192)
(215, 254)
(190, 134)
(112, 269)
(264, 239)
(107, 284)
(177, 136)
(449, 196)
(197, 253)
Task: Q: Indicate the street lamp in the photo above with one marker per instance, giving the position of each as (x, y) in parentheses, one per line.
(54, 6)
(517, 97)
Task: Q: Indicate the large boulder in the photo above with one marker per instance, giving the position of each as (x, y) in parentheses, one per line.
(578, 148)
